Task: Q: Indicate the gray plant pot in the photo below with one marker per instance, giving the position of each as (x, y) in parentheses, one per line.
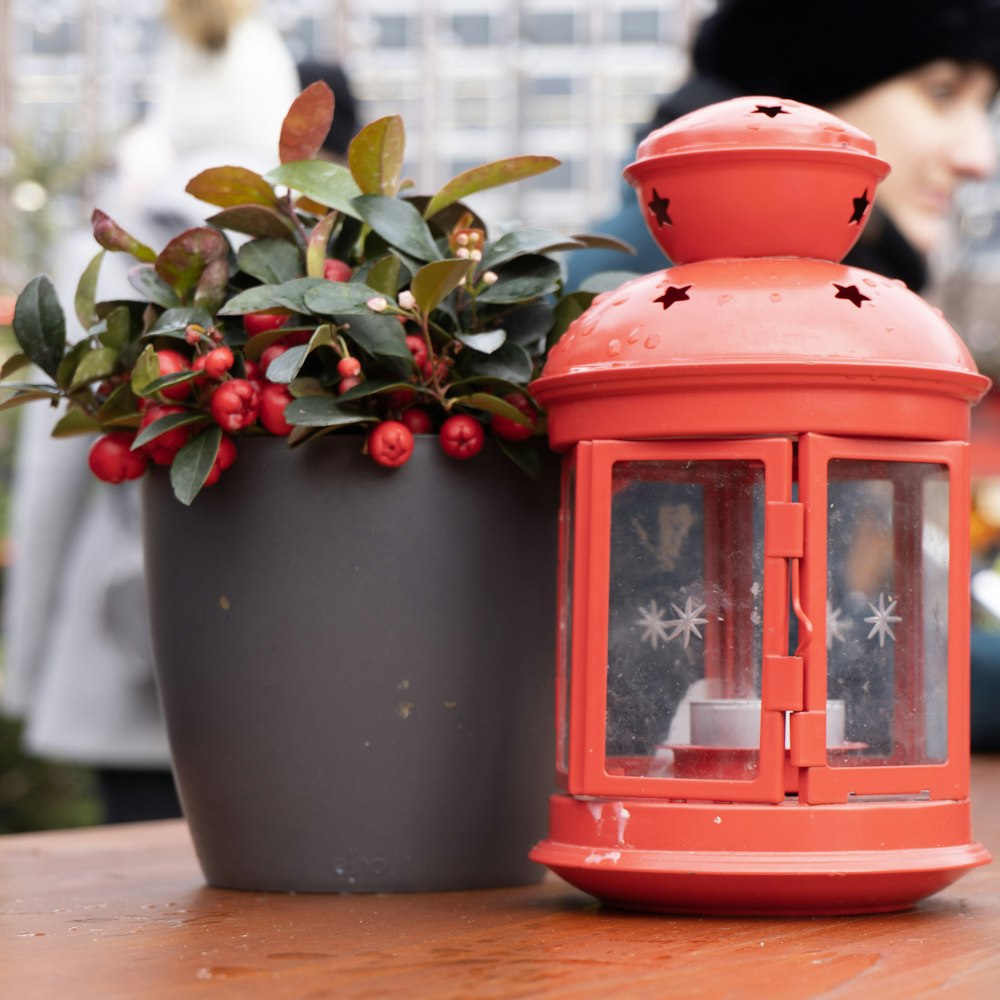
(356, 666)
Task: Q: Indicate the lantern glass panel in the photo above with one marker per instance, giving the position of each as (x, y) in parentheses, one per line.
(685, 618)
(887, 610)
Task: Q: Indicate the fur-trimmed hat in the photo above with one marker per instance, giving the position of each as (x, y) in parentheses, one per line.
(824, 51)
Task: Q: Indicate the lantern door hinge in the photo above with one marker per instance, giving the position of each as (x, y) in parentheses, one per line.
(782, 684)
(784, 530)
(807, 739)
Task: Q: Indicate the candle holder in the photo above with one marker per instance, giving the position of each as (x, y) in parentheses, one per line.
(763, 647)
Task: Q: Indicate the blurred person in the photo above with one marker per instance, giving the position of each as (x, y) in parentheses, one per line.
(919, 76)
(79, 662)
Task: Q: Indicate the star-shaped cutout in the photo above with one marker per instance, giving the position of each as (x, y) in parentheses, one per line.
(687, 621)
(772, 111)
(672, 295)
(659, 207)
(836, 627)
(860, 207)
(852, 293)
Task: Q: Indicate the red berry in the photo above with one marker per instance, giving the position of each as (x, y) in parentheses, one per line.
(347, 383)
(273, 400)
(224, 458)
(336, 270)
(163, 448)
(269, 354)
(511, 430)
(390, 443)
(111, 458)
(462, 436)
(235, 404)
(218, 361)
(262, 322)
(399, 398)
(171, 362)
(418, 420)
(417, 348)
(349, 367)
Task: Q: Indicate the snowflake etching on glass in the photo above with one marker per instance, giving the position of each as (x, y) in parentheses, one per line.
(882, 620)
(654, 626)
(836, 627)
(687, 621)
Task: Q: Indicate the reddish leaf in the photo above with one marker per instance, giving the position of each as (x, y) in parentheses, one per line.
(307, 123)
(255, 220)
(111, 236)
(186, 256)
(231, 186)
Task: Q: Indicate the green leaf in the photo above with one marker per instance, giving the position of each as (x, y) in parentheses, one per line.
(488, 175)
(40, 324)
(485, 343)
(144, 279)
(162, 382)
(373, 386)
(330, 184)
(111, 236)
(375, 156)
(120, 404)
(382, 336)
(210, 292)
(270, 261)
(307, 123)
(70, 361)
(186, 256)
(231, 187)
(524, 454)
(117, 330)
(493, 404)
(322, 411)
(602, 241)
(399, 224)
(14, 364)
(335, 298)
(289, 295)
(193, 463)
(433, 283)
(176, 321)
(145, 370)
(511, 362)
(95, 365)
(86, 292)
(528, 325)
(319, 238)
(74, 422)
(23, 396)
(256, 220)
(567, 310)
(383, 276)
(163, 424)
(521, 241)
(519, 289)
(286, 366)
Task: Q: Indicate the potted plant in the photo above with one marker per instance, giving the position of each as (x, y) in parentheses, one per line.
(353, 639)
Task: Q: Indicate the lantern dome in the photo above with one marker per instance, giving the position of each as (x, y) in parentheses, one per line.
(755, 177)
(758, 330)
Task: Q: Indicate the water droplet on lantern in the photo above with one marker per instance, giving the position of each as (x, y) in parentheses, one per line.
(889, 329)
(775, 296)
(651, 341)
(870, 281)
(634, 335)
(621, 300)
(898, 282)
(833, 128)
(614, 347)
(724, 298)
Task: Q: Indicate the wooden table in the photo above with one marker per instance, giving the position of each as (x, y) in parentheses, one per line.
(116, 912)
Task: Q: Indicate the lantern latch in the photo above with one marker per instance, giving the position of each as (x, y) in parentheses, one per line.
(784, 530)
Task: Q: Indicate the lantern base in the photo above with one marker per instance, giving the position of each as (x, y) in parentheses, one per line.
(759, 860)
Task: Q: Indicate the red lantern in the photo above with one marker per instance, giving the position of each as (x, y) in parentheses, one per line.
(763, 660)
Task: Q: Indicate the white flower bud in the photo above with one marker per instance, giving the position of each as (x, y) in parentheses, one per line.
(462, 239)
(476, 254)
(490, 277)
(406, 300)
(377, 304)
(462, 252)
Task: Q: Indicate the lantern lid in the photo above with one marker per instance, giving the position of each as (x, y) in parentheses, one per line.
(756, 177)
(763, 345)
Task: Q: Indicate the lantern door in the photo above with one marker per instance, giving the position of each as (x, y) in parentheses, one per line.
(886, 570)
(675, 676)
